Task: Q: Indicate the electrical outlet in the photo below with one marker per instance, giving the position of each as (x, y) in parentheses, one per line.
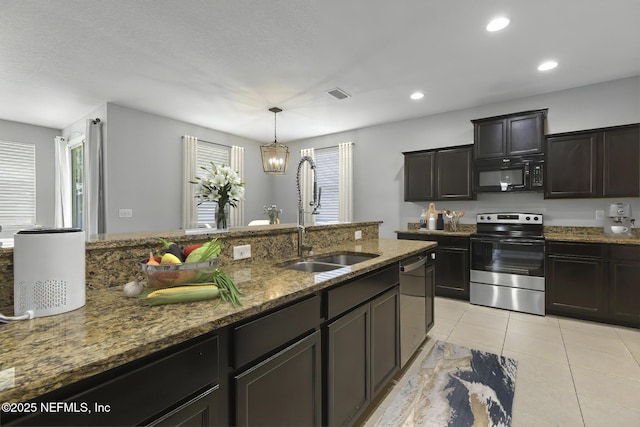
(125, 213)
(358, 234)
(599, 214)
(241, 252)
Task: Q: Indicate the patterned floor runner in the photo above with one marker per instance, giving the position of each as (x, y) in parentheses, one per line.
(455, 386)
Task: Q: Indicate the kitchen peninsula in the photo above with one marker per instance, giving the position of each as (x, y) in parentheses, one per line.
(115, 345)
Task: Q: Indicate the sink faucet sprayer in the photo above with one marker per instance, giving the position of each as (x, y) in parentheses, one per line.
(315, 203)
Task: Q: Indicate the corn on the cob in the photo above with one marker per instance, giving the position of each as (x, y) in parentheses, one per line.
(181, 294)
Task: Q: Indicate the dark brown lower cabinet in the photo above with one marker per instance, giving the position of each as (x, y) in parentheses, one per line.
(283, 390)
(593, 281)
(363, 354)
(575, 282)
(624, 284)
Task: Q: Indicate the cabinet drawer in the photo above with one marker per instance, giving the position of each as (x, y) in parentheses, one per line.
(625, 252)
(264, 334)
(575, 249)
(354, 293)
(453, 242)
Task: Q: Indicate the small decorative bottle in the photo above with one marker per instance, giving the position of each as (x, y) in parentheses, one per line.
(440, 222)
(423, 219)
(432, 222)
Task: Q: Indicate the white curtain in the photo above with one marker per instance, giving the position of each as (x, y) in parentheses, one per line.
(189, 172)
(94, 221)
(62, 183)
(237, 164)
(306, 186)
(345, 192)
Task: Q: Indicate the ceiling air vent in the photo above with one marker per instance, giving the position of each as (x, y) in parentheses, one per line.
(338, 93)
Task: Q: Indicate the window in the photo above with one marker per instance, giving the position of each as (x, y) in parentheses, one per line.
(17, 183)
(327, 177)
(205, 154)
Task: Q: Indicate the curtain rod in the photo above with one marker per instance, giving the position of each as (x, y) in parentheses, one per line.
(332, 146)
(215, 143)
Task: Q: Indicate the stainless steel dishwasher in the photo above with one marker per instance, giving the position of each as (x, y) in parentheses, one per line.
(417, 288)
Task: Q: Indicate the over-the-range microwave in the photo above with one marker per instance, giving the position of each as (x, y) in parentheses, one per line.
(509, 174)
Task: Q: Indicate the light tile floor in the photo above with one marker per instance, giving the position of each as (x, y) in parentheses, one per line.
(570, 372)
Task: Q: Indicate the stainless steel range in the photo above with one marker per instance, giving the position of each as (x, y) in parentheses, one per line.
(507, 262)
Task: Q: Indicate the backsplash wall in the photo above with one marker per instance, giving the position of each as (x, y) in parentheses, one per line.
(557, 212)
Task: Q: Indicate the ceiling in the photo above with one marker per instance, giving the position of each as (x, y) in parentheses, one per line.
(223, 64)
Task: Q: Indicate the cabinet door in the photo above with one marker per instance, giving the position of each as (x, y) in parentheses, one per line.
(348, 380)
(454, 174)
(571, 170)
(452, 272)
(575, 286)
(385, 339)
(490, 139)
(200, 411)
(419, 176)
(624, 285)
(621, 162)
(525, 135)
(285, 389)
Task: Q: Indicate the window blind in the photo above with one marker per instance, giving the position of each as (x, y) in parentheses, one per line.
(327, 177)
(17, 183)
(206, 153)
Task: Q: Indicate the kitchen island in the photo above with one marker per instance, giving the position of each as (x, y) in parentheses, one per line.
(45, 354)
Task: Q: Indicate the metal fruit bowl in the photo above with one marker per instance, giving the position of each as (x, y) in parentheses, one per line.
(167, 275)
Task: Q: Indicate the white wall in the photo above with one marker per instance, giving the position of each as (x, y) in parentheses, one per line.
(378, 164)
(43, 138)
(144, 169)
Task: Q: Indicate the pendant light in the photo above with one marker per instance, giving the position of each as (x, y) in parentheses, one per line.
(275, 156)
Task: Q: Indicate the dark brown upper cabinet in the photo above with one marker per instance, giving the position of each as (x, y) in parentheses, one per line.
(419, 176)
(441, 174)
(594, 163)
(509, 135)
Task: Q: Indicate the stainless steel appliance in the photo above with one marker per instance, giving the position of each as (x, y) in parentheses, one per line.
(507, 262)
(509, 174)
(618, 221)
(417, 288)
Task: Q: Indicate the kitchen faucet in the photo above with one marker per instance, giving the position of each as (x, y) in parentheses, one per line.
(302, 246)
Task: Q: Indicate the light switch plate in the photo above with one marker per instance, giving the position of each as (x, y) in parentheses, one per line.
(242, 252)
(599, 214)
(358, 234)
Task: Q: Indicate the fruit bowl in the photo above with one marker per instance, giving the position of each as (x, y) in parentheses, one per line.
(166, 275)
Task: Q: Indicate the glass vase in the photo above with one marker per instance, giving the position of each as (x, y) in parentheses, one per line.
(222, 217)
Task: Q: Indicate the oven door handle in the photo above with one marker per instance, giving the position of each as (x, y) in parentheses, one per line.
(518, 241)
(413, 266)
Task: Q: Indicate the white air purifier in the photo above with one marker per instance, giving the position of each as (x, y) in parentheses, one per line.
(48, 271)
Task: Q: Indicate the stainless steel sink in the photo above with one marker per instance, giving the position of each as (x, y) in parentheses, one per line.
(313, 266)
(345, 258)
(329, 262)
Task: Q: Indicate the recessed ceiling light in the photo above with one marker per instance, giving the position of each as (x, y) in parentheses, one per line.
(417, 95)
(498, 24)
(548, 65)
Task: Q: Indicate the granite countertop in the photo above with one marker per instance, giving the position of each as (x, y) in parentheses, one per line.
(592, 238)
(43, 354)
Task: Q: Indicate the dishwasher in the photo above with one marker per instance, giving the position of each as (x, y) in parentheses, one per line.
(417, 288)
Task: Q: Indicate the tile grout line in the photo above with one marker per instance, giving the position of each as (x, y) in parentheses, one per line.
(573, 381)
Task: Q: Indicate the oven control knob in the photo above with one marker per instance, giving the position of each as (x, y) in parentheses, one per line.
(481, 216)
(535, 218)
(528, 218)
(489, 218)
